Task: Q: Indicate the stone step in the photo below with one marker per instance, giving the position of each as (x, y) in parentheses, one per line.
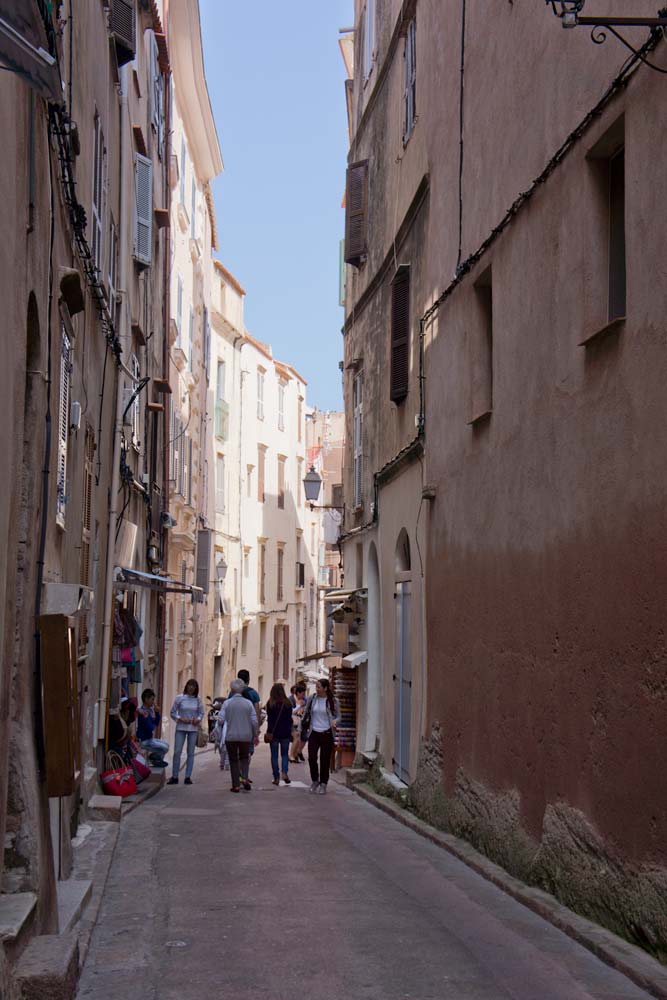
(73, 897)
(49, 968)
(104, 807)
(17, 910)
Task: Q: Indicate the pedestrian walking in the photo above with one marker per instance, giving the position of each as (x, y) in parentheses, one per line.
(238, 720)
(296, 751)
(187, 712)
(279, 731)
(320, 718)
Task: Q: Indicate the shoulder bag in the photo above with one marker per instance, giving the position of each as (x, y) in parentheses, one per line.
(268, 735)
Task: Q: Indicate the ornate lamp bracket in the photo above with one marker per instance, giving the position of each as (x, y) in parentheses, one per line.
(570, 14)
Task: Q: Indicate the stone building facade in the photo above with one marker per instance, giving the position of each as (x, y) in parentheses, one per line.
(505, 413)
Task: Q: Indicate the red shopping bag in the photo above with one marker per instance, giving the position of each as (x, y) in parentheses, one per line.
(140, 768)
(118, 779)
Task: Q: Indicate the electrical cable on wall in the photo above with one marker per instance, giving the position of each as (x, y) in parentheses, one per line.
(461, 118)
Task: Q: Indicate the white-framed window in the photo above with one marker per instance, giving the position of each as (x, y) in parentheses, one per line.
(179, 310)
(220, 483)
(143, 209)
(369, 38)
(410, 84)
(220, 381)
(281, 406)
(358, 418)
(181, 179)
(63, 425)
(135, 368)
(184, 570)
(260, 393)
(280, 590)
(185, 466)
(299, 482)
(113, 270)
(193, 210)
(97, 221)
(299, 419)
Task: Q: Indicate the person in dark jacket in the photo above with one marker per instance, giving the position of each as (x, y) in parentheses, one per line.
(279, 724)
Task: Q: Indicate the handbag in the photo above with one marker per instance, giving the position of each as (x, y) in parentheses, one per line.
(202, 738)
(268, 736)
(119, 778)
(140, 768)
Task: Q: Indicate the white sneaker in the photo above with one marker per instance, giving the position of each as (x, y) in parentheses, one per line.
(322, 789)
(315, 786)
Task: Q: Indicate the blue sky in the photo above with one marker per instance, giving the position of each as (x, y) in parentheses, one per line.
(276, 80)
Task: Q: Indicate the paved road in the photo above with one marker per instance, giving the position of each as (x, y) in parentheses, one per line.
(277, 894)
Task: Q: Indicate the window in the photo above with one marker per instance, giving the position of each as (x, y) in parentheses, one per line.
(246, 563)
(260, 393)
(369, 38)
(299, 419)
(191, 333)
(156, 97)
(193, 210)
(183, 609)
(281, 483)
(261, 461)
(313, 544)
(299, 482)
(207, 344)
(262, 640)
(181, 192)
(244, 640)
(280, 573)
(185, 467)
(297, 627)
(179, 309)
(356, 213)
(400, 335)
(357, 410)
(410, 83)
(617, 277)
(86, 529)
(481, 350)
(136, 411)
(311, 603)
(261, 572)
(98, 193)
(281, 406)
(220, 483)
(63, 425)
(221, 407)
(143, 209)
(248, 480)
(113, 270)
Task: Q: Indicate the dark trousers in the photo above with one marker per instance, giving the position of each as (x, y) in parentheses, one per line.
(239, 760)
(321, 743)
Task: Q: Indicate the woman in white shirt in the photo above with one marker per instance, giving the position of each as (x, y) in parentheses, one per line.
(320, 718)
(187, 712)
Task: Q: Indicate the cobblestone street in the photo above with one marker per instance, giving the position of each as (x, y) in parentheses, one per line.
(280, 894)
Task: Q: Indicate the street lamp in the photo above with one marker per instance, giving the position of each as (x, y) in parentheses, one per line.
(312, 482)
(569, 12)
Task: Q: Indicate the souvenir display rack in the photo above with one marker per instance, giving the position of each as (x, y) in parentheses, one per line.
(344, 686)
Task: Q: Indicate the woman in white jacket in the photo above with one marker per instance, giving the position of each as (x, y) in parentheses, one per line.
(187, 712)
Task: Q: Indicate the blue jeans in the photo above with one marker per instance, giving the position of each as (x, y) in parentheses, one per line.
(179, 740)
(283, 745)
(155, 747)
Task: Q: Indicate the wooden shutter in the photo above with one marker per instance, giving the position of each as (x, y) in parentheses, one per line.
(286, 651)
(143, 209)
(204, 536)
(276, 650)
(356, 213)
(400, 335)
(63, 428)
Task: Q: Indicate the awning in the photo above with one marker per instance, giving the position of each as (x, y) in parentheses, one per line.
(355, 659)
(315, 656)
(342, 595)
(152, 581)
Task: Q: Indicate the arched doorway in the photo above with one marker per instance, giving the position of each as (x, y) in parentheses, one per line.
(402, 656)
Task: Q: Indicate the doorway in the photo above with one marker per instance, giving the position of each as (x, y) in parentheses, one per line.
(402, 658)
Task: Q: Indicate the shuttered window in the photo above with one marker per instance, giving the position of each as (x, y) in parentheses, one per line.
(136, 408)
(179, 310)
(400, 335)
(113, 270)
(410, 80)
(220, 483)
(155, 96)
(261, 572)
(369, 38)
(261, 463)
(98, 193)
(357, 410)
(356, 213)
(63, 426)
(281, 482)
(86, 530)
(260, 393)
(280, 573)
(143, 209)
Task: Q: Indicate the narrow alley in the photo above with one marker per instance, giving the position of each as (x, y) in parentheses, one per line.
(279, 894)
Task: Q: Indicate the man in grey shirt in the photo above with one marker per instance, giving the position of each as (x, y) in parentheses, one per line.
(239, 719)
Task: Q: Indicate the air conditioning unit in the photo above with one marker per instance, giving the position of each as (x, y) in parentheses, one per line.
(122, 27)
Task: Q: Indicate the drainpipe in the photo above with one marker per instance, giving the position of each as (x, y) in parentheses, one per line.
(101, 708)
(165, 375)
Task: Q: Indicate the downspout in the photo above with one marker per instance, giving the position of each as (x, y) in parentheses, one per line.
(101, 708)
(165, 375)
